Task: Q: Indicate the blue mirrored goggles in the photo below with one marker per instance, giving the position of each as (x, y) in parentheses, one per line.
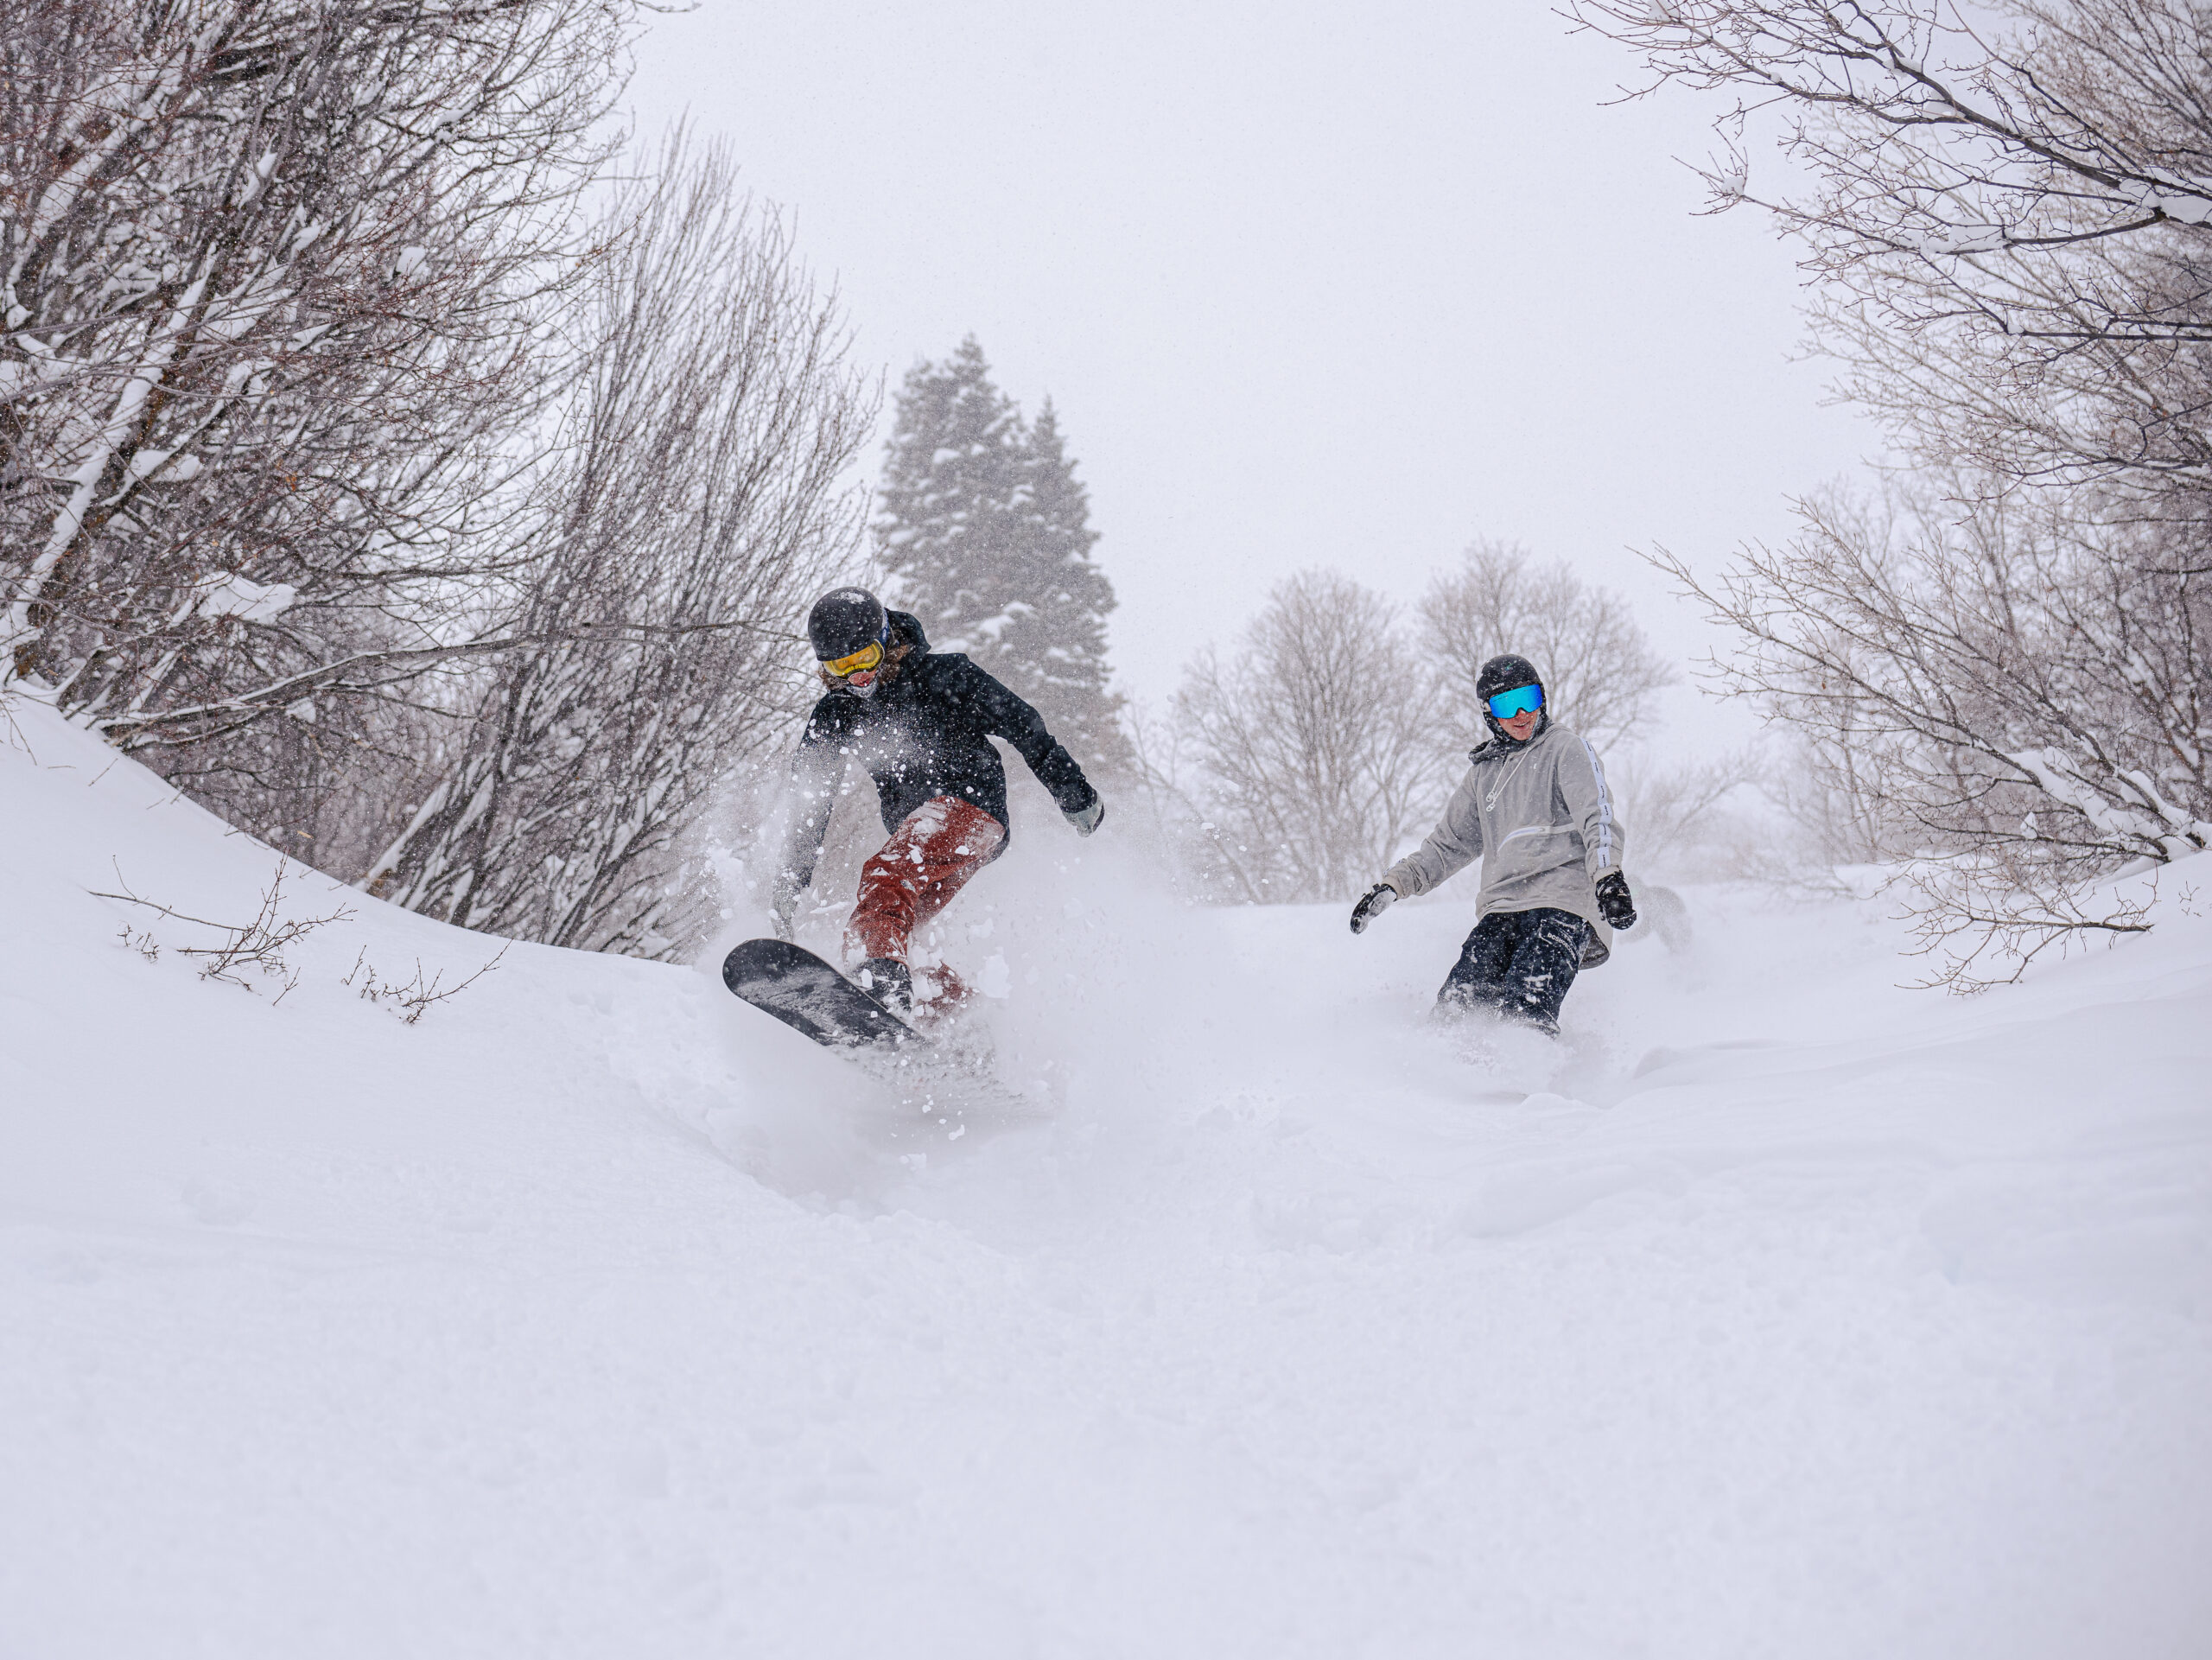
(1519, 701)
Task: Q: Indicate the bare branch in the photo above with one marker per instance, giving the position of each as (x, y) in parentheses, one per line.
(259, 943)
(1316, 751)
(1599, 670)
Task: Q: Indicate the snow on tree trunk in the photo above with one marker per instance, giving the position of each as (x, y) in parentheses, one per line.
(269, 272)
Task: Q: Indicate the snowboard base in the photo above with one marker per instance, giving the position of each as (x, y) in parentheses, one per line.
(807, 995)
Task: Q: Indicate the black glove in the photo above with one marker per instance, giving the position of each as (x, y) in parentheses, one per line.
(1613, 902)
(1372, 904)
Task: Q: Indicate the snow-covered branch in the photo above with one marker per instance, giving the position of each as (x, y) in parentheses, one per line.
(696, 506)
(2010, 217)
(2007, 697)
(269, 272)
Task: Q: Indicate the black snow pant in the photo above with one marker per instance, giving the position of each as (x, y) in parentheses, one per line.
(1518, 964)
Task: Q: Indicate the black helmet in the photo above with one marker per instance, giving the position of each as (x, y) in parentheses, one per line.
(1504, 673)
(844, 620)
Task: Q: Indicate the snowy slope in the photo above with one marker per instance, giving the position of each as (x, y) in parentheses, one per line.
(593, 1315)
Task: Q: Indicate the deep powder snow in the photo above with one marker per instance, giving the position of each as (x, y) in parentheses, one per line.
(594, 1314)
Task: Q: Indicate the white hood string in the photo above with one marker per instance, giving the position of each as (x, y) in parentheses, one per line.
(1490, 801)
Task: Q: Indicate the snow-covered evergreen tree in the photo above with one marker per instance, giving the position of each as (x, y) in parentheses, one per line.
(984, 534)
(948, 499)
(1054, 641)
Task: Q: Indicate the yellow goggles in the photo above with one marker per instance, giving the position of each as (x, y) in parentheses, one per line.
(859, 663)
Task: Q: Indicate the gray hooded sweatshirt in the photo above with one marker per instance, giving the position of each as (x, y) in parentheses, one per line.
(1540, 817)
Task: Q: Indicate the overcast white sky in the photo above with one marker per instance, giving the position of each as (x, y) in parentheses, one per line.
(1310, 284)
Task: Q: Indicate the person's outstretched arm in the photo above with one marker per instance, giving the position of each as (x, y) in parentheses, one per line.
(1455, 842)
(1590, 803)
(1007, 715)
(818, 768)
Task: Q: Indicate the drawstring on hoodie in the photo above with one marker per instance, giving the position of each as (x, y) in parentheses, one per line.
(1490, 801)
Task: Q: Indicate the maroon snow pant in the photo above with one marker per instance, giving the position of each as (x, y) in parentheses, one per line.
(928, 858)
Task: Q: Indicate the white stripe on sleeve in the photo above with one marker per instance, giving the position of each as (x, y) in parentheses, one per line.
(1605, 805)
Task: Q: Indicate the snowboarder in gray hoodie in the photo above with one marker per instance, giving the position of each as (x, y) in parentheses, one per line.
(1534, 809)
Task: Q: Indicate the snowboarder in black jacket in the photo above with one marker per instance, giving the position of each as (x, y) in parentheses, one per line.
(921, 723)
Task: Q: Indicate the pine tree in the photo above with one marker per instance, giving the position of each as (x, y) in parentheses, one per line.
(949, 500)
(1054, 642)
(985, 535)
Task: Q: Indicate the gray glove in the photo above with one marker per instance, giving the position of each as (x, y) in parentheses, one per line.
(1091, 817)
(1372, 904)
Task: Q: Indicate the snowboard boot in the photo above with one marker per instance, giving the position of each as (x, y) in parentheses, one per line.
(939, 995)
(887, 981)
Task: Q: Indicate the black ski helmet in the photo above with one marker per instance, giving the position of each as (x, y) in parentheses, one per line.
(1504, 673)
(844, 620)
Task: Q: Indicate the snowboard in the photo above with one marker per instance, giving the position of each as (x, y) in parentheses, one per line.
(808, 995)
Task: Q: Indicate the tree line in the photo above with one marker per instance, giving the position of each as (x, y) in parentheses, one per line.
(1995, 667)
(1299, 759)
(379, 467)
(1323, 742)
(2000, 661)
(429, 481)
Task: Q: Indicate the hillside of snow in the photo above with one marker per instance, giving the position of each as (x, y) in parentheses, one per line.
(594, 1314)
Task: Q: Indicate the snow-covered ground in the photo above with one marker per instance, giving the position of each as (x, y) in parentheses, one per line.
(1791, 1314)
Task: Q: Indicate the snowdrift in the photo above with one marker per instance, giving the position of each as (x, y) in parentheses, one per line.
(592, 1313)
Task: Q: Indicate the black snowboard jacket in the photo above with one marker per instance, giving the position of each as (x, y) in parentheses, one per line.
(927, 732)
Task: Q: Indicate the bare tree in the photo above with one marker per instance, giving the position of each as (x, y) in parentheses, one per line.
(1681, 812)
(1313, 745)
(1163, 810)
(2001, 669)
(268, 274)
(698, 504)
(1599, 670)
(2010, 222)
(2013, 697)
(1832, 812)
